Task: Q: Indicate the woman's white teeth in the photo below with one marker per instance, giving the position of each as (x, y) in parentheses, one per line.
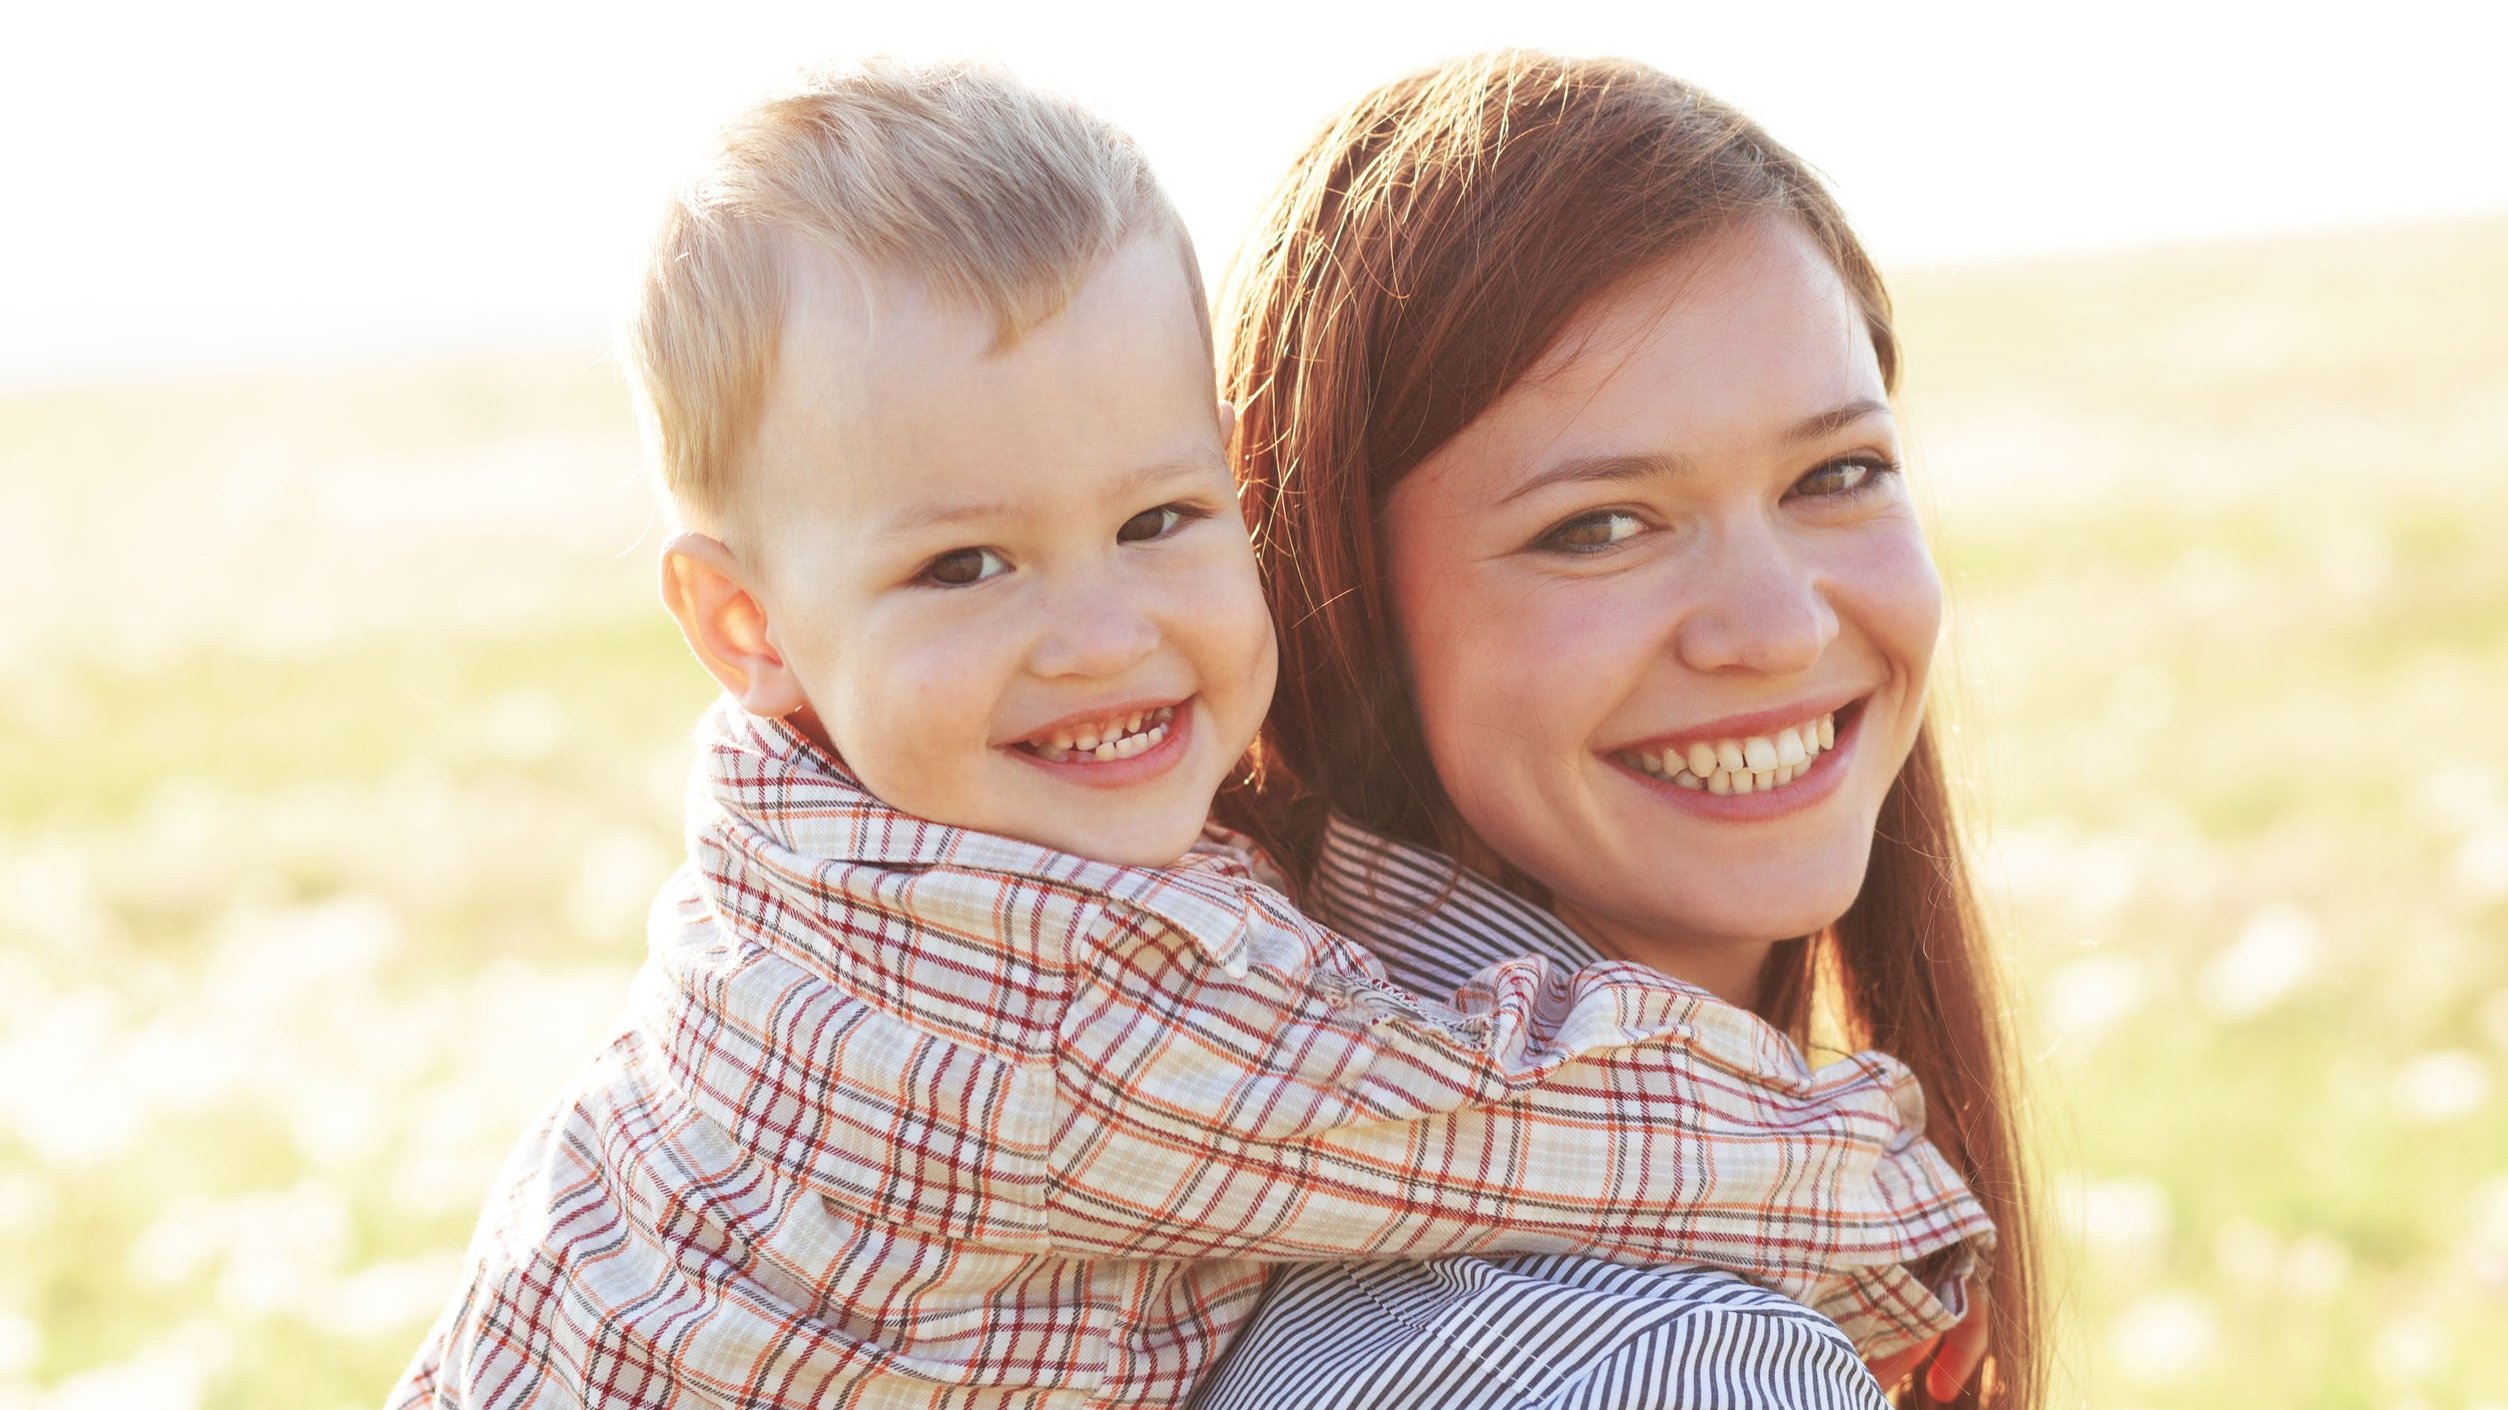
(1108, 740)
(1753, 764)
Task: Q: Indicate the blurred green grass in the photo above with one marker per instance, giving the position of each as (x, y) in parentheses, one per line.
(343, 750)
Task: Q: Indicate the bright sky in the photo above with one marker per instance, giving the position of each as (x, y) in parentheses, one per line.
(194, 183)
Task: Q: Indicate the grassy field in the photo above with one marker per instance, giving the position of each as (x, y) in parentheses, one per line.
(342, 751)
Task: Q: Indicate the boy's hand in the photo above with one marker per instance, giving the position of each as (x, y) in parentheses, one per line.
(1960, 1351)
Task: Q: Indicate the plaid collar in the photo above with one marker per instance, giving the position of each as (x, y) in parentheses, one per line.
(769, 779)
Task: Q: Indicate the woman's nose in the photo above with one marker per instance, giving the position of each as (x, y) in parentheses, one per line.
(1098, 628)
(1763, 610)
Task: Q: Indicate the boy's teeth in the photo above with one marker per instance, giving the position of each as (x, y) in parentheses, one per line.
(1108, 740)
(1753, 764)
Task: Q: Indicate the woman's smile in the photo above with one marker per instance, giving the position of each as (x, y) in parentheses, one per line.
(1741, 776)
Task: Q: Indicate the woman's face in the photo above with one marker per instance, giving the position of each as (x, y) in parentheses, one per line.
(1666, 610)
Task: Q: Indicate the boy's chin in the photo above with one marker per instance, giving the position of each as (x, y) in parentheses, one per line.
(1144, 835)
(1147, 842)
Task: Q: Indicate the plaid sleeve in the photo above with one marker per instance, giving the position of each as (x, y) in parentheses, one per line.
(1288, 1103)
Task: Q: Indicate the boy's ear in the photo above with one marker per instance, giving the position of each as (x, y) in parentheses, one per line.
(725, 625)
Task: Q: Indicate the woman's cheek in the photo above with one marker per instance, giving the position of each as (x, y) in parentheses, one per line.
(1525, 671)
(1895, 587)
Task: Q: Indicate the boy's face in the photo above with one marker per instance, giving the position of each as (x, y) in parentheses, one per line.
(1014, 587)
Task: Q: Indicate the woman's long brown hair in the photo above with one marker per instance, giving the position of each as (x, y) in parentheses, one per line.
(1422, 254)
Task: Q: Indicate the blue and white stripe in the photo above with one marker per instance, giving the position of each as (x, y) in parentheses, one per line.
(1540, 1332)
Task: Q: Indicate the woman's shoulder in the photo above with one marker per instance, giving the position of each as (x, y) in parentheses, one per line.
(1538, 1332)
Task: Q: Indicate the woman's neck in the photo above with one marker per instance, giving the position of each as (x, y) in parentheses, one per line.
(1732, 970)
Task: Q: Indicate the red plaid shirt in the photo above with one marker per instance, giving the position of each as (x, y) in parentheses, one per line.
(907, 1115)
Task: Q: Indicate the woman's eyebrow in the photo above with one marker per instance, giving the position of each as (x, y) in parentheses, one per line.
(1646, 465)
(1836, 419)
(1599, 467)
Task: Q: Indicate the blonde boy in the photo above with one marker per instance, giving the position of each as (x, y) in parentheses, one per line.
(967, 1071)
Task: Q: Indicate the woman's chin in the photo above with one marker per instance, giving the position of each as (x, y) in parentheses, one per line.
(1751, 905)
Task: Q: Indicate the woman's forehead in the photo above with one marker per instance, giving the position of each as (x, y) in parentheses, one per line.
(1731, 345)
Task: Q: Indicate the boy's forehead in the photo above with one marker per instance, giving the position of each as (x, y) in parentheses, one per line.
(844, 320)
(844, 327)
(889, 401)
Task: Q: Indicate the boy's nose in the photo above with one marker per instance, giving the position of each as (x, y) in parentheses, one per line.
(1094, 634)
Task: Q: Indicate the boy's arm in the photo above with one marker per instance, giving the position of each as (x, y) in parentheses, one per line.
(1292, 1104)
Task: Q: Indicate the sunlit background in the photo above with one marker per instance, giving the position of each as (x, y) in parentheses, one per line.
(343, 745)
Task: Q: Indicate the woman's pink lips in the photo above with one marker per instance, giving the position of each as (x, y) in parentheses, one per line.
(1120, 773)
(1756, 722)
(1811, 786)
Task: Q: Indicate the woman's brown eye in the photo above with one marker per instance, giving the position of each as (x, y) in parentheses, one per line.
(1836, 479)
(1593, 531)
(1845, 479)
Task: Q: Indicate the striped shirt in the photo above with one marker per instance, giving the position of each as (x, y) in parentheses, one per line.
(906, 1115)
(1534, 1332)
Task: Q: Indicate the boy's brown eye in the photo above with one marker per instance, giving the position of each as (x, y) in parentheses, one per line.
(1150, 524)
(962, 567)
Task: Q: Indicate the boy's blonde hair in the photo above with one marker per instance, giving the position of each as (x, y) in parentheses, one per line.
(997, 197)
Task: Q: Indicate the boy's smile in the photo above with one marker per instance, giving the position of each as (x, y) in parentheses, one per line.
(1012, 587)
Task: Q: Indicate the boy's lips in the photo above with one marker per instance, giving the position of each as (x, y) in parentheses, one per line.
(1149, 741)
(1089, 730)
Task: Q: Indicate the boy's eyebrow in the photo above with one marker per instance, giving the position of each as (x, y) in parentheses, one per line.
(926, 516)
(933, 515)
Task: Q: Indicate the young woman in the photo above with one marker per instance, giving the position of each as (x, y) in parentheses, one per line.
(1605, 625)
